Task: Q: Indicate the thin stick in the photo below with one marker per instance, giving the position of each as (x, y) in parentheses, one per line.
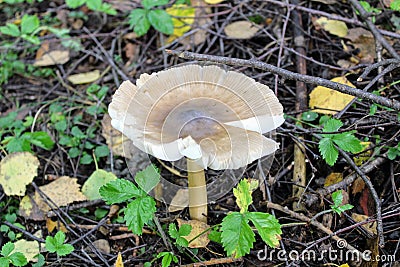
(391, 103)
(197, 191)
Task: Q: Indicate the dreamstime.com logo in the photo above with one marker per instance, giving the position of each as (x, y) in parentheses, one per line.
(318, 255)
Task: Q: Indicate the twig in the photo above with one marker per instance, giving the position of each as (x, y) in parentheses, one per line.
(391, 103)
(213, 262)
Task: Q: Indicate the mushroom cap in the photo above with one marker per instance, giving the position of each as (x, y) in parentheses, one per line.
(205, 113)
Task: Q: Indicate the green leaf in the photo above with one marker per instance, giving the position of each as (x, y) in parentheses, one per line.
(173, 232)
(138, 213)
(185, 229)
(328, 151)
(108, 9)
(10, 29)
(215, 236)
(393, 152)
(309, 116)
(148, 178)
(395, 5)
(18, 144)
(64, 250)
(75, 131)
(167, 258)
(74, 3)
(332, 125)
(237, 237)
(74, 152)
(348, 142)
(101, 151)
(7, 249)
(29, 24)
(18, 259)
(86, 159)
(152, 3)
(243, 194)
(96, 180)
(61, 125)
(161, 21)
(40, 262)
(56, 244)
(337, 198)
(94, 4)
(139, 22)
(268, 227)
(4, 262)
(40, 139)
(119, 191)
(32, 39)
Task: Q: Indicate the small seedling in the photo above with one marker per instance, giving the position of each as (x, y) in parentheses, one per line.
(184, 230)
(346, 141)
(9, 257)
(95, 5)
(140, 19)
(27, 30)
(337, 206)
(56, 244)
(394, 152)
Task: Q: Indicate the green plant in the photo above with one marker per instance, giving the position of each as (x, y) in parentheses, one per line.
(95, 5)
(140, 19)
(237, 236)
(141, 207)
(345, 141)
(337, 206)
(11, 218)
(56, 244)
(394, 152)
(176, 234)
(27, 30)
(9, 257)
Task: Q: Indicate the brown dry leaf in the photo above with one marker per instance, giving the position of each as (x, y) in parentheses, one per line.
(116, 141)
(333, 178)
(63, 191)
(243, 29)
(197, 228)
(131, 52)
(17, 170)
(329, 101)
(82, 78)
(53, 58)
(51, 225)
(358, 186)
(179, 201)
(335, 27)
(365, 42)
(370, 227)
(119, 262)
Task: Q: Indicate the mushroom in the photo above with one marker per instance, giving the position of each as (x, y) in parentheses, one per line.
(214, 118)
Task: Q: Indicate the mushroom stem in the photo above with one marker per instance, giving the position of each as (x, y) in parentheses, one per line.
(197, 191)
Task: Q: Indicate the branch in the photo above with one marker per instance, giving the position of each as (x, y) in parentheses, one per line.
(391, 103)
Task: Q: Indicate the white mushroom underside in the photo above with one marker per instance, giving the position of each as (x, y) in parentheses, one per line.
(203, 113)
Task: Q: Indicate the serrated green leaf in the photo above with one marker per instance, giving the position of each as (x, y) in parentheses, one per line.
(7, 249)
(10, 29)
(29, 24)
(242, 192)
(94, 4)
(328, 151)
(152, 3)
(173, 232)
(139, 22)
(74, 3)
(30, 38)
(119, 191)
(180, 241)
(348, 142)
(18, 259)
(64, 250)
(392, 153)
(395, 5)
(75, 131)
(161, 21)
(337, 198)
(40, 139)
(185, 229)
(148, 178)
(268, 227)
(215, 236)
(332, 125)
(4, 262)
(18, 144)
(237, 237)
(139, 212)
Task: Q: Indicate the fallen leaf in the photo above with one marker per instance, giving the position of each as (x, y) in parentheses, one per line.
(97, 179)
(363, 40)
(197, 229)
(361, 158)
(213, 2)
(100, 244)
(333, 178)
(119, 262)
(358, 186)
(329, 101)
(53, 58)
(182, 17)
(82, 78)
(29, 248)
(118, 143)
(17, 170)
(335, 27)
(241, 29)
(55, 225)
(369, 227)
(179, 201)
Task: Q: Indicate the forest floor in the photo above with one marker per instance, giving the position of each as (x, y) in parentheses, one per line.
(333, 184)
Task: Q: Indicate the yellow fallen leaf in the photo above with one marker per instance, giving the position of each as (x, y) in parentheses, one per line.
(329, 101)
(369, 227)
(51, 225)
(17, 170)
(96, 180)
(83, 78)
(197, 229)
(119, 262)
(364, 156)
(213, 2)
(335, 27)
(29, 248)
(52, 58)
(241, 29)
(182, 18)
(333, 178)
